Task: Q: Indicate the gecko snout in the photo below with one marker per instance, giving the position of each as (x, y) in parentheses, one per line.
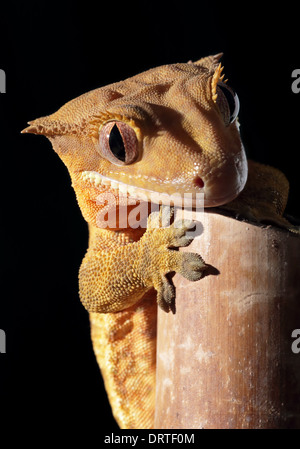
(225, 184)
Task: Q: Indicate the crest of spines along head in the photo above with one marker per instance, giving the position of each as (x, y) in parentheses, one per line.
(46, 126)
(217, 77)
(100, 119)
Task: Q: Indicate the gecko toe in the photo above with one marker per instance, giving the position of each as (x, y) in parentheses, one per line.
(193, 266)
(165, 295)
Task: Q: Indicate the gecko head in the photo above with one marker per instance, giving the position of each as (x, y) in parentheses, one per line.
(170, 131)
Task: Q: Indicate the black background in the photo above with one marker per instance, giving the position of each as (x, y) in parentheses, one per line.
(51, 53)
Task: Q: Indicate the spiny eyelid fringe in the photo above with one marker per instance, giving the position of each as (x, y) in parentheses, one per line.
(99, 120)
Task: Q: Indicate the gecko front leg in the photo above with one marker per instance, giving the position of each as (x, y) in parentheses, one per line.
(264, 197)
(116, 277)
(139, 265)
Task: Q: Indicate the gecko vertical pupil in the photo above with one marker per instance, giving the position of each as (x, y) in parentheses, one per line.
(116, 144)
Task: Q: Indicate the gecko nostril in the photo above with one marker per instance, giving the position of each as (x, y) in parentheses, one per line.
(199, 182)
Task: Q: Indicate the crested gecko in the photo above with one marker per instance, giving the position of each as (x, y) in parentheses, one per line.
(172, 130)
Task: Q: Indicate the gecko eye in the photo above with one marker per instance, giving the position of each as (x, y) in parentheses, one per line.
(228, 103)
(118, 143)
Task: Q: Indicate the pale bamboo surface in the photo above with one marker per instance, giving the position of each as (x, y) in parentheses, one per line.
(224, 359)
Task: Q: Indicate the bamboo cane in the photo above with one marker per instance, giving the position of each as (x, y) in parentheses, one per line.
(225, 358)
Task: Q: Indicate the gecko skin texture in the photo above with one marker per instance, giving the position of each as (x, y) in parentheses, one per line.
(170, 130)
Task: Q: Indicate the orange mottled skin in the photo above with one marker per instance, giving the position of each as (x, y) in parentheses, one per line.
(180, 140)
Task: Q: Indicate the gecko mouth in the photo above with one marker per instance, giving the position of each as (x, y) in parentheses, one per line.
(177, 199)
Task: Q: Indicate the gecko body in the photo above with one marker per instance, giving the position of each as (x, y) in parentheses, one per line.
(170, 131)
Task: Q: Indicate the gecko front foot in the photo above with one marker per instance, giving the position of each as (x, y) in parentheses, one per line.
(264, 197)
(163, 239)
